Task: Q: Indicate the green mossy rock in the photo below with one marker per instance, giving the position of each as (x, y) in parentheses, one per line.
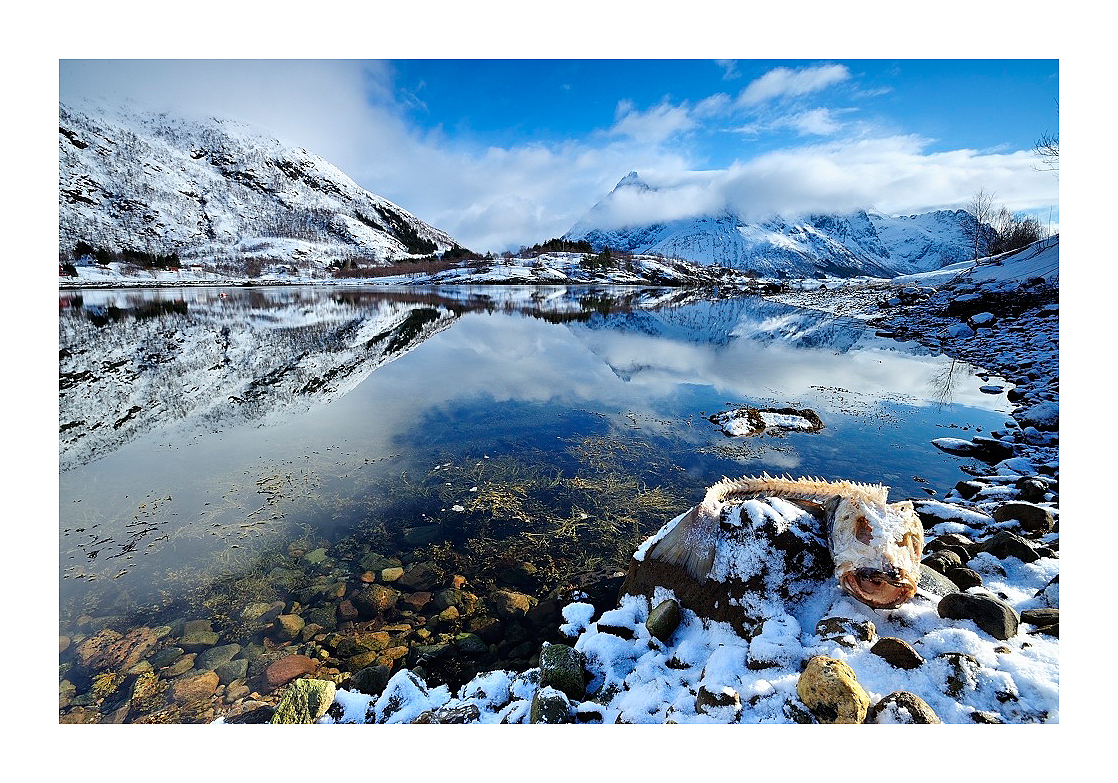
(562, 668)
(550, 706)
(305, 701)
(663, 620)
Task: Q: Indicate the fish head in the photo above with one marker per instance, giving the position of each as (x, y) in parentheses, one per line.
(876, 548)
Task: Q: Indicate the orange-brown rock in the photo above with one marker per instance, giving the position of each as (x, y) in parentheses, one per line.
(194, 688)
(287, 669)
(107, 649)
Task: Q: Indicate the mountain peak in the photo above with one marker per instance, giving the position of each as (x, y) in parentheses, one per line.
(631, 180)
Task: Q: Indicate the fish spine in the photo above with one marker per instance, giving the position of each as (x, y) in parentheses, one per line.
(805, 488)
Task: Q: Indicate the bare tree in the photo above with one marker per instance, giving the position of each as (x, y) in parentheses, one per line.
(1047, 148)
(981, 208)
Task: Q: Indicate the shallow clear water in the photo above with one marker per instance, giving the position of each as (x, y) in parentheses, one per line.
(202, 429)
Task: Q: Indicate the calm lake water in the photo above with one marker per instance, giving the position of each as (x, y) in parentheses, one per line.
(209, 434)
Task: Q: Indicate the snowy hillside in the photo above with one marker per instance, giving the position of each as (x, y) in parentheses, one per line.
(217, 191)
(860, 243)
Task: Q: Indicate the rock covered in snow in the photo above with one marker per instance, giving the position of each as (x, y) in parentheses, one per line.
(1043, 416)
(992, 615)
(754, 421)
(902, 707)
(768, 549)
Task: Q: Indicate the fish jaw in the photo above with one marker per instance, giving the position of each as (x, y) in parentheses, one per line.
(876, 549)
(875, 590)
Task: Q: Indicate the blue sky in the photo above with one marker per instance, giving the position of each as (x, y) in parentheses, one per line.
(979, 104)
(503, 153)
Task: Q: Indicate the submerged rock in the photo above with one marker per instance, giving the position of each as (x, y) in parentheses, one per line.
(287, 668)
(194, 688)
(214, 657)
(108, 649)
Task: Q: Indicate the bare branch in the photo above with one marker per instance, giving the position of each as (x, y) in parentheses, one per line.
(1047, 148)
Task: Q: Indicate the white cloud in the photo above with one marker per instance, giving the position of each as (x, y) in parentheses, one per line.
(895, 175)
(729, 68)
(786, 82)
(655, 125)
(813, 122)
(819, 122)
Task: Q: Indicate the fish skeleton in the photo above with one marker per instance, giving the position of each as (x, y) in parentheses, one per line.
(876, 546)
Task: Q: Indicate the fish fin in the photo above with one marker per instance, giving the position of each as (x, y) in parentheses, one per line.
(690, 545)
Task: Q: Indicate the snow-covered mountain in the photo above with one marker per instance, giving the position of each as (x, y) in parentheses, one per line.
(860, 243)
(217, 190)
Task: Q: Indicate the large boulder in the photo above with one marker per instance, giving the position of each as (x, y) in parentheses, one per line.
(765, 549)
(110, 650)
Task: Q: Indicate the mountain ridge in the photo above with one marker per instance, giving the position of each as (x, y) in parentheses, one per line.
(218, 189)
(862, 242)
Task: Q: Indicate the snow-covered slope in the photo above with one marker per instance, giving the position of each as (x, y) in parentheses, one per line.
(860, 243)
(1034, 263)
(217, 190)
